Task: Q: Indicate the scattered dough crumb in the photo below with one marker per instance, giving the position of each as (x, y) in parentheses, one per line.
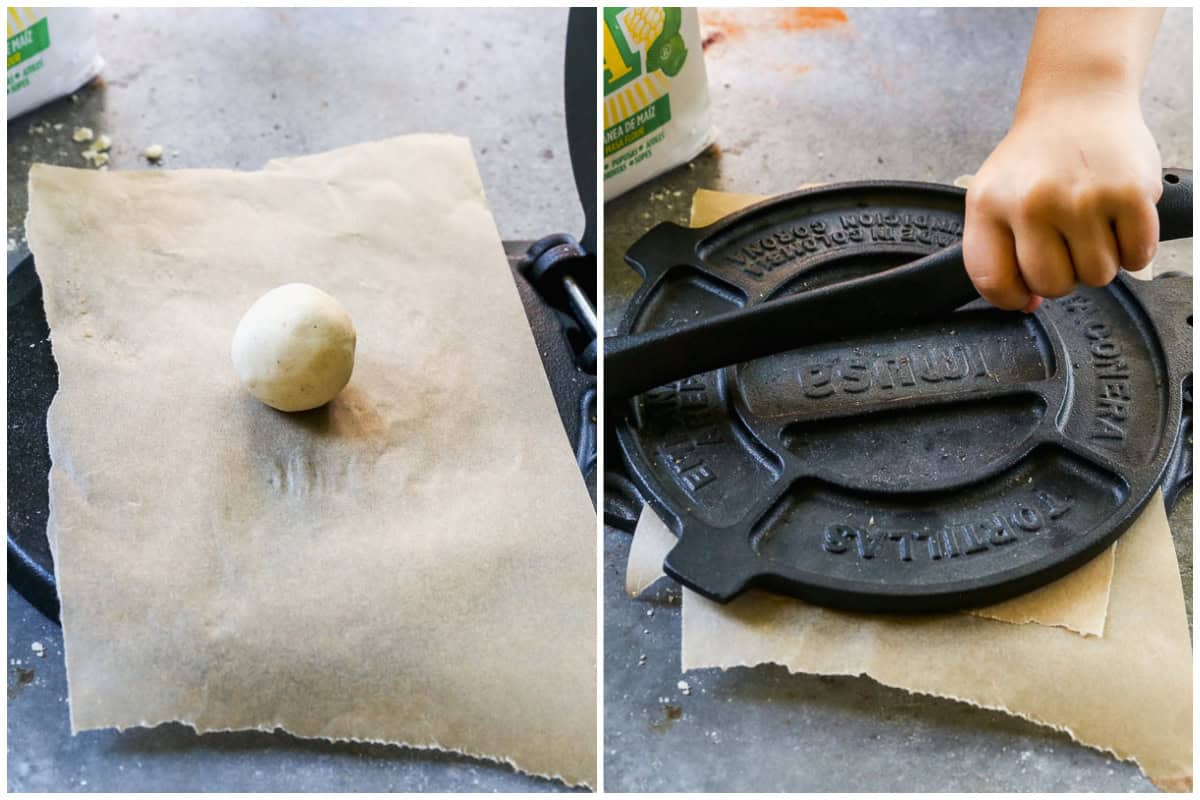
(103, 142)
(684, 687)
(38, 649)
(641, 659)
(82, 135)
(58, 126)
(96, 158)
(649, 612)
(153, 153)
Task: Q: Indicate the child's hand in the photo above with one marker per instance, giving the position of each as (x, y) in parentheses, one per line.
(1067, 197)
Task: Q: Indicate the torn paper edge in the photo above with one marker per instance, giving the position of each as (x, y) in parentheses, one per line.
(1029, 620)
(1161, 783)
(273, 728)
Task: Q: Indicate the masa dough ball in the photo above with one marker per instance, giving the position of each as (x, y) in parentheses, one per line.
(294, 348)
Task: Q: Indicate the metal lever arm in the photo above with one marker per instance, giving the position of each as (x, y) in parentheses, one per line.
(922, 289)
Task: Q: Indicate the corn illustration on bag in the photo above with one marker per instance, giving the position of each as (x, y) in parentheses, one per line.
(51, 52)
(655, 94)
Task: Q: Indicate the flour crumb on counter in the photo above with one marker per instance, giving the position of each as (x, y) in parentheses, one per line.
(102, 142)
(684, 688)
(38, 649)
(153, 153)
(95, 157)
(83, 135)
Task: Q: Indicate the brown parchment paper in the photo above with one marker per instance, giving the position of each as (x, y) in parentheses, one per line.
(413, 563)
(1128, 692)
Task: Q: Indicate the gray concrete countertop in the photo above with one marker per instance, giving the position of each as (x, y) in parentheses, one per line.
(892, 94)
(235, 88)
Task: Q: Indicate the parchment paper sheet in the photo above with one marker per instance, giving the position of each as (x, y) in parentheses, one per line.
(414, 563)
(1128, 692)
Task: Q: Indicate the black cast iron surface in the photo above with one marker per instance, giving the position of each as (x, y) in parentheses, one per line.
(941, 465)
(33, 380)
(926, 288)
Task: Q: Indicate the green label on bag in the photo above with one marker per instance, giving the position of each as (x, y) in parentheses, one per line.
(639, 124)
(28, 43)
(643, 52)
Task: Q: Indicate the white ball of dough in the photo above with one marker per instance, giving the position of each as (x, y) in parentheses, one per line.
(294, 348)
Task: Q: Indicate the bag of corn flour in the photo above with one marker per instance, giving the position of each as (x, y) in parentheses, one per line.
(655, 94)
(51, 52)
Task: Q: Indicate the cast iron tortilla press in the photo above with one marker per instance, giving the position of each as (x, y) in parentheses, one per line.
(810, 417)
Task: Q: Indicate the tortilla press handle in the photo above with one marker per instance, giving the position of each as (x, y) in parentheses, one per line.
(1175, 205)
(922, 289)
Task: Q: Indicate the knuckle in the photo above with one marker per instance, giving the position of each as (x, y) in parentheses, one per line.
(1123, 193)
(1138, 254)
(999, 288)
(1087, 200)
(1041, 199)
(1098, 276)
(1137, 246)
(989, 282)
(982, 199)
(1048, 281)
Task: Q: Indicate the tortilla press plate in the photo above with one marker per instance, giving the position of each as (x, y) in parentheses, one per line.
(944, 465)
